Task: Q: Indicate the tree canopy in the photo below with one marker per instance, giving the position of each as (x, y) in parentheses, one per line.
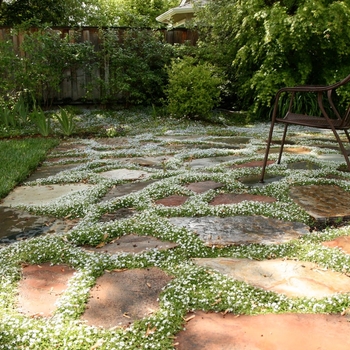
(266, 44)
(140, 13)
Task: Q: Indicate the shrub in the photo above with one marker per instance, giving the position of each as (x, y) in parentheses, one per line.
(133, 66)
(193, 89)
(264, 45)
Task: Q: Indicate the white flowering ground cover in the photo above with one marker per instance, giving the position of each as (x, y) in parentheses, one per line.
(193, 287)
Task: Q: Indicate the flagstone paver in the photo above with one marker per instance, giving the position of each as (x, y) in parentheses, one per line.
(204, 186)
(133, 244)
(41, 286)
(121, 213)
(233, 198)
(241, 229)
(17, 225)
(207, 162)
(119, 298)
(125, 174)
(214, 331)
(125, 189)
(172, 201)
(46, 171)
(289, 277)
(41, 195)
(322, 201)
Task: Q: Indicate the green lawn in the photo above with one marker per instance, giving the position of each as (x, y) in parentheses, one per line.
(18, 158)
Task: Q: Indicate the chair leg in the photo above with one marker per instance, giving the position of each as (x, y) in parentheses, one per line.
(267, 152)
(342, 148)
(282, 143)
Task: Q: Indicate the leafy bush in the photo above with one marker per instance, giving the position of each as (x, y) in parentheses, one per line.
(133, 66)
(194, 88)
(264, 45)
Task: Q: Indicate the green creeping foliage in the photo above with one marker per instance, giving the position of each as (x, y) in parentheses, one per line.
(193, 88)
(263, 45)
(66, 121)
(133, 66)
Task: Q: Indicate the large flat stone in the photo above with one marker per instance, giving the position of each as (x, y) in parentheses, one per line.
(119, 298)
(41, 286)
(172, 201)
(125, 174)
(205, 162)
(133, 244)
(204, 186)
(241, 229)
(125, 189)
(233, 198)
(211, 331)
(18, 225)
(322, 201)
(41, 195)
(289, 277)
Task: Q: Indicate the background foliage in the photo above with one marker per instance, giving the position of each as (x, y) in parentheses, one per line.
(263, 45)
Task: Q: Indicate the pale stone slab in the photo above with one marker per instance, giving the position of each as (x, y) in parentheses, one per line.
(41, 195)
(125, 174)
(241, 229)
(289, 277)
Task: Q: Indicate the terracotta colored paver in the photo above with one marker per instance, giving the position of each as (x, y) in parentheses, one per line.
(41, 286)
(119, 298)
(172, 201)
(209, 331)
(204, 186)
(288, 277)
(339, 242)
(133, 244)
(231, 198)
(322, 201)
(121, 213)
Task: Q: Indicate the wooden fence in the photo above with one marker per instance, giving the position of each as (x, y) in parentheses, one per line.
(74, 86)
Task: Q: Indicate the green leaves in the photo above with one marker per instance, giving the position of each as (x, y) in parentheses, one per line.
(265, 45)
(193, 88)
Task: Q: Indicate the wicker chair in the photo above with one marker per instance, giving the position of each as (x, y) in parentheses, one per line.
(330, 119)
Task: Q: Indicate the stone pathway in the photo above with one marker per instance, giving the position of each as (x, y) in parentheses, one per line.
(136, 205)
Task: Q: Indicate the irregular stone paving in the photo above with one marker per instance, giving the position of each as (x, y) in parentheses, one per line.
(172, 201)
(125, 174)
(322, 201)
(121, 297)
(233, 198)
(241, 229)
(203, 186)
(289, 277)
(210, 331)
(132, 244)
(41, 286)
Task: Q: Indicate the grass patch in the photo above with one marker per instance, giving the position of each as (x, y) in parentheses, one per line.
(18, 158)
